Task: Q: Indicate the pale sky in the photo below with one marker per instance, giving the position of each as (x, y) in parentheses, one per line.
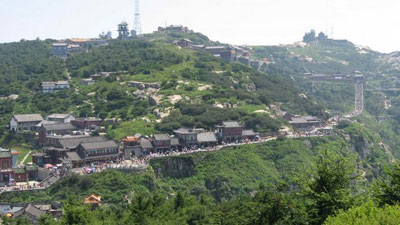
(373, 23)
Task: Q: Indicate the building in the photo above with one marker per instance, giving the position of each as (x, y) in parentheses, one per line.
(60, 118)
(249, 135)
(187, 136)
(146, 146)
(60, 50)
(98, 152)
(87, 123)
(88, 81)
(94, 201)
(6, 170)
(9, 170)
(305, 122)
(61, 145)
(123, 31)
(162, 142)
(207, 139)
(174, 28)
(55, 130)
(72, 49)
(230, 131)
(31, 211)
(54, 86)
(79, 41)
(25, 122)
(184, 43)
(224, 52)
(39, 159)
(131, 147)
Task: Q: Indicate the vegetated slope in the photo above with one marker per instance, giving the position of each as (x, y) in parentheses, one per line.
(342, 57)
(222, 175)
(187, 77)
(228, 173)
(326, 57)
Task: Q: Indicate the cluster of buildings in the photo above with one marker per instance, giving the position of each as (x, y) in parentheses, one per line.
(31, 211)
(66, 139)
(186, 138)
(75, 45)
(228, 53)
(174, 28)
(54, 86)
(11, 172)
(303, 123)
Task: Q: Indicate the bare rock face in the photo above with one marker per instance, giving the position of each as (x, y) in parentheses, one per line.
(155, 99)
(174, 167)
(143, 85)
(250, 87)
(174, 99)
(162, 113)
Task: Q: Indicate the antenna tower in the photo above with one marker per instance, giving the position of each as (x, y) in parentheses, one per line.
(137, 24)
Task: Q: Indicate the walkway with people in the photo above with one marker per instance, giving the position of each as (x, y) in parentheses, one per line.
(142, 164)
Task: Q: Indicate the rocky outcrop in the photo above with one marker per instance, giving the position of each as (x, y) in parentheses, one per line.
(155, 99)
(143, 85)
(175, 167)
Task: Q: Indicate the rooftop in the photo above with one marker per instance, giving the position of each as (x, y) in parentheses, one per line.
(5, 153)
(206, 137)
(32, 211)
(99, 145)
(231, 124)
(58, 126)
(73, 156)
(60, 44)
(59, 116)
(248, 133)
(28, 118)
(184, 130)
(144, 143)
(162, 137)
(79, 40)
(304, 119)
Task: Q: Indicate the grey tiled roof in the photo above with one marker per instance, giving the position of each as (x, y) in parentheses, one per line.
(162, 137)
(73, 156)
(28, 118)
(206, 137)
(70, 143)
(5, 153)
(99, 145)
(34, 212)
(59, 126)
(144, 143)
(231, 124)
(174, 141)
(59, 116)
(248, 133)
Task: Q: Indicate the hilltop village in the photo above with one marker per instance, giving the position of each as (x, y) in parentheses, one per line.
(203, 98)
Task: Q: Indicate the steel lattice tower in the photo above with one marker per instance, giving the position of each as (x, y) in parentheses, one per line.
(137, 24)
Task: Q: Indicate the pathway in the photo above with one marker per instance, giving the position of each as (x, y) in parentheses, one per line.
(24, 159)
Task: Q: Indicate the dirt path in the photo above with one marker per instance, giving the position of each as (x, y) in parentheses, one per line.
(24, 159)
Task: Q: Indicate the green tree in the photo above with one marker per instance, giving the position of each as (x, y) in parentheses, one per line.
(387, 191)
(367, 213)
(330, 187)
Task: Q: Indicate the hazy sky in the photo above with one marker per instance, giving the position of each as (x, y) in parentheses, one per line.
(365, 22)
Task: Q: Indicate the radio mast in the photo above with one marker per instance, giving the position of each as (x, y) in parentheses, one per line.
(136, 23)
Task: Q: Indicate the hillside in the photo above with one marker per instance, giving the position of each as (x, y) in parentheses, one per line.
(284, 181)
(188, 80)
(342, 57)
